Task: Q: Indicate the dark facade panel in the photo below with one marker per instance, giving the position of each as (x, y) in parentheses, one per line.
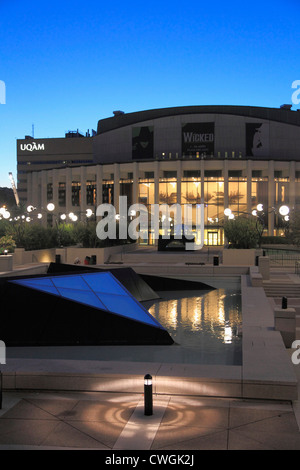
(273, 114)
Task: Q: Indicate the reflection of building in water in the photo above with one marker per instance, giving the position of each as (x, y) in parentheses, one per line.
(216, 313)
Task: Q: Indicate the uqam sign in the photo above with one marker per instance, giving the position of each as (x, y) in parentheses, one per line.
(32, 146)
(126, 223)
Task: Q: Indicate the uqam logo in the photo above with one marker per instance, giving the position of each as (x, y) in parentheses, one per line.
(2, 92)
(32, 146)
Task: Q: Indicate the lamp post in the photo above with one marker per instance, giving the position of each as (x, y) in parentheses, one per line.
(148, 398)
(258, 212)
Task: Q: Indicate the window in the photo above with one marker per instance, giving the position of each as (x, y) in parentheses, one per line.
(49, 192)
(237, 195)
(91, 193)
(168, 191)
(108, 192)
(76, 193)
(62, 194)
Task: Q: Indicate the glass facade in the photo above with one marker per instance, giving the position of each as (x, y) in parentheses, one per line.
(91, 193)
(61, 194)
(108, 192)
(194, 187)
(168, 191)
(237, 195)
(281, 198)
(259, 195)
(146, 197)
(126, 189)
(76, 193)
(214, 210)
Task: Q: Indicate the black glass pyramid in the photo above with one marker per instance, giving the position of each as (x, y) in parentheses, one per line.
(98, 290)
(90, 308)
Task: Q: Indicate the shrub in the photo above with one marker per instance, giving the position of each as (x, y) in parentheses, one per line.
(242, 232)
(7, 243)
(272, 240)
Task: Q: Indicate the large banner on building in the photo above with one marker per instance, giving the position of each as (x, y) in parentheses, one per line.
(198, 138)
(142, 143)
(257, 139)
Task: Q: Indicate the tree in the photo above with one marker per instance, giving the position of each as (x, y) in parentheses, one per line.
(294, 228)
(7, 243)
(242, 232)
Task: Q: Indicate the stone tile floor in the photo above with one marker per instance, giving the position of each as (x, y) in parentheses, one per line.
(104, 420)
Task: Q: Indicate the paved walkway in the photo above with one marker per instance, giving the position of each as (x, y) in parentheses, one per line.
(110, 421)
(114, 421)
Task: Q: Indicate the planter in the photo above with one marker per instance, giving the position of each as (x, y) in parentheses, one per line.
(6, 263)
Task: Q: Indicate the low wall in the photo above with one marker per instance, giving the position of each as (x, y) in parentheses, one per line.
(68, 254)
(235, 257)
(6, 263)
(21, 256)
(102, 254)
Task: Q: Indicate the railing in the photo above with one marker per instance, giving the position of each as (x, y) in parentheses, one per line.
(297, 268)
(283, 258)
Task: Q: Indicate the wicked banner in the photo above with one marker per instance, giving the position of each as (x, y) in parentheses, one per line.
(198, 138)
(142, 143)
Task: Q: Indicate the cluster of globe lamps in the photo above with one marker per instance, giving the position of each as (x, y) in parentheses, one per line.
(283, 211)
(5, 214)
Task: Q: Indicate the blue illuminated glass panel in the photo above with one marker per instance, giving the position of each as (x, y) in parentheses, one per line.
(99, 290)
(127, 307)
(50, 289)
(84, 297)
(106, 283)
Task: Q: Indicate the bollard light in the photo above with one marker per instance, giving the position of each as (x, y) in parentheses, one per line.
(148, 399)
(284, 303)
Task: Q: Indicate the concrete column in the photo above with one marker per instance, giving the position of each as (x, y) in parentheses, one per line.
(55, 181)
(271, 196)
(249, 183)
(83, 205)
(116, 186)
(264, 267)
(202, 180)
(68, 190)
(179, 176)
(99, 178)
(29, 188)
(135, 189)
(292, 186)
(156, 182)
(44, 181)
(225, 174)
(34, 195)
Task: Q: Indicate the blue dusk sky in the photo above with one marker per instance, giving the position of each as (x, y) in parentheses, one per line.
(65, 65)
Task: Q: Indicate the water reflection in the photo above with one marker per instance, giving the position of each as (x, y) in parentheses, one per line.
(202, 321)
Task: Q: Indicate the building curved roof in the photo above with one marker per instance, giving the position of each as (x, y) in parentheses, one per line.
(120, 119)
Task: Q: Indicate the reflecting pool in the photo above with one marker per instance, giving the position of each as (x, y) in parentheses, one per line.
(205, 324)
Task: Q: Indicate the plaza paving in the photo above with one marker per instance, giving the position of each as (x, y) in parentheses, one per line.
(110, 421)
